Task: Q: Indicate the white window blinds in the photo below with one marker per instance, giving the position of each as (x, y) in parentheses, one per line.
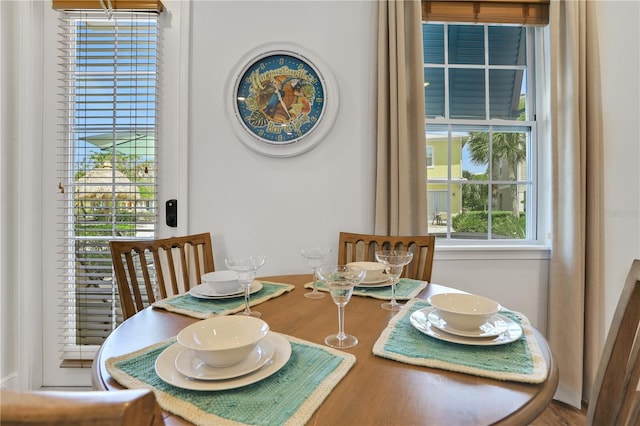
(107, 163)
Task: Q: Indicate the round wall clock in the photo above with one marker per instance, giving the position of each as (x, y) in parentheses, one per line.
(282, 100)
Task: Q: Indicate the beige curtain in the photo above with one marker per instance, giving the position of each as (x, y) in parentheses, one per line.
(576, 268)
(401, 200)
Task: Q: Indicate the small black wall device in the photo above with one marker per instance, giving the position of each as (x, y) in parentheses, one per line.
(172, 213)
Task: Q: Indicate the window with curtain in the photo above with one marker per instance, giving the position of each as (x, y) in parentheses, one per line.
(107, 163)
(480, 103)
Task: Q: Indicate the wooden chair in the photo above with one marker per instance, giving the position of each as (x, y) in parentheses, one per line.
(362, 247)
(150, 270)
(615, 399)
(134, 407)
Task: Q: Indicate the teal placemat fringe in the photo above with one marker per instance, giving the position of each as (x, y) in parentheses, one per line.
(289, 396)
(520, 361)
(205, 308)
(406, 289)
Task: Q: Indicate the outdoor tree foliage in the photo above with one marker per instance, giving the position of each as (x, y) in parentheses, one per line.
(510, 147)
(474, 196)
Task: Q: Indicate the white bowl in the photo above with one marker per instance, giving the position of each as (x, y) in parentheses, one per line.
(220, 282)
(223, 341)
(464, 311)
(375, 270)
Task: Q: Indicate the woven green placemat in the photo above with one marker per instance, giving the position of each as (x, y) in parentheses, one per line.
(186, 304)
(406, 289)
(290, 396)
(520, 361)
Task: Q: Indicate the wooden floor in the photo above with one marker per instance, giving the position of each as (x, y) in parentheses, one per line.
(561, 414)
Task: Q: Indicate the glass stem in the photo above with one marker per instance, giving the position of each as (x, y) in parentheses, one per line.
(315, 280)
(393, 290)
(247, 290)
(341, 335)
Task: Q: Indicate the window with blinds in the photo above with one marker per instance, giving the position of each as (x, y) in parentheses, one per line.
(107, 164)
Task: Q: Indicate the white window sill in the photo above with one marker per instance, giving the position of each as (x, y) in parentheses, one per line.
(495, 251)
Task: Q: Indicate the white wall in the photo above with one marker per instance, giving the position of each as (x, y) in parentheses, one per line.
(257, 204)
(618, 40)
(8, 368)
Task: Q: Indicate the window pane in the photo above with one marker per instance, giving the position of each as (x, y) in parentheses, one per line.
(476, 151)
(466, 94)
(438, 143)
(437, 200)
(433, 36)
(438, 177)
(475, 196)
(508, 219)
(507, 45)
(434, 92)
(472, 219)
(506, 99)
(466, 44)
(509, 153)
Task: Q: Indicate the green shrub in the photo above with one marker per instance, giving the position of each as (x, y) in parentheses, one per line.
(504, 225)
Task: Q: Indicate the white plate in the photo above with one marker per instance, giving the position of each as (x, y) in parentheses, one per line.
(166, 368)
(420, 320)
(255, 287)
(383, 282)
(190, 365)
(495, 326)
(208, 289)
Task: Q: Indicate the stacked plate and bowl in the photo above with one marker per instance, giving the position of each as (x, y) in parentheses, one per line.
(223, 352)
(221, 285)
(375, 274)
(466, 319)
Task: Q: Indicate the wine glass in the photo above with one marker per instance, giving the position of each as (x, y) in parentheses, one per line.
(246, 268)
(394, 261)
(341, 279)
(315, 258)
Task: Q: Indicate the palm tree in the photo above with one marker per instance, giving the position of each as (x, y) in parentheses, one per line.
(474, 197)
(510, 147)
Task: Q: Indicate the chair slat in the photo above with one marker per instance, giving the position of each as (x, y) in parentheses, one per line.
(422, 247)
(615, 398)
(162, 272)
(162, 287)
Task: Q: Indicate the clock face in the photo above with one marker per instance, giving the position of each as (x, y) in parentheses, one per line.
(280, 98)
(283, 102)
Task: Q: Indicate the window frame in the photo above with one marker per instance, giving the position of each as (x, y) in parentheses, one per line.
(536, 225)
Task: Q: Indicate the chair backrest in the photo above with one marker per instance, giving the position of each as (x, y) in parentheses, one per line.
(135, 407)
(615, 399)
(363, 247)
(150, 270)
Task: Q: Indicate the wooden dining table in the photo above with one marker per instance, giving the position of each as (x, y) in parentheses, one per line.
(376, 391)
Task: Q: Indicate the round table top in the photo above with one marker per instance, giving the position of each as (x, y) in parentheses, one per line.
(376, 391)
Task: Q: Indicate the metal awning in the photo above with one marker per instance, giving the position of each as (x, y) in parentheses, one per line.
(127, 143)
